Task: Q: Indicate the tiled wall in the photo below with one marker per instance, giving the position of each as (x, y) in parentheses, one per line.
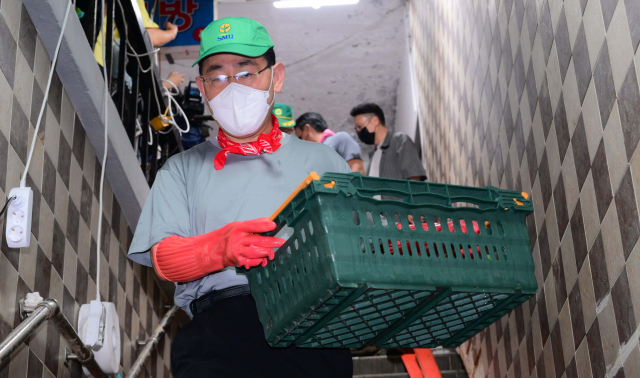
(542, 96)
(64, 176)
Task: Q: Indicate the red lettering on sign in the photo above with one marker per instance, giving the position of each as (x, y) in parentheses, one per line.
(182, 9)
(197, 32)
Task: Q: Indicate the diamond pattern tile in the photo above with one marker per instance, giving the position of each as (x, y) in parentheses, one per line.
(605, 87)
(60, 262)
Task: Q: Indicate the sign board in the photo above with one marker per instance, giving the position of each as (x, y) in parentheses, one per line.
(191, 17)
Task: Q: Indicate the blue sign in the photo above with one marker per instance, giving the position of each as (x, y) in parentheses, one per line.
(191, 17)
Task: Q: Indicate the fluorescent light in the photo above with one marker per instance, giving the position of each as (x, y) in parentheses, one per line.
(311, 3)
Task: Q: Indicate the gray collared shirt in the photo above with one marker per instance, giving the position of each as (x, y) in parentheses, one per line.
(399, 158)
(190, 197)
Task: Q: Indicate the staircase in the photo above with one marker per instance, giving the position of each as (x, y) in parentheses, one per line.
(391, 366)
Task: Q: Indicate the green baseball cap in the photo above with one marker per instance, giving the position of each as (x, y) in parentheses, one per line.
(236, 35)
(284, 114)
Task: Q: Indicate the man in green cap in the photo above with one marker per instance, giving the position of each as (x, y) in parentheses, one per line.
(284, 114)
(207, 208)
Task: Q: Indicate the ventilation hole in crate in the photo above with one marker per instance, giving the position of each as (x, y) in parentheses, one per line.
(400, 248)
(289, 250)
(418, 249)
(266, 300)
(446, 253)
(476, 228)
(370, 218)
(425, 225)
(463, 226)
(426, 249)
(281, 259)
(396, 218)
(479, 252)
(371, 247)
(297, 272)
(381, 246)
(383, 219)
(273, 266)
(450, 224)
(504, 252)
(310, 228)
(356, 217)
(279, 289)
(293, 284)
(317, 254)
(390, 246)
(453, 251)
(304, 267)
(362, 248)
(304, 235)
(259, 277)
(266, 273)
(435, 250)
(471, 253)
(462, 252)
(411, 221)
(409, 249)
(436, 222)
(273, 296)
(487, 225)
(500, 228)
(487, 250)
(295, 243)
(495, 251)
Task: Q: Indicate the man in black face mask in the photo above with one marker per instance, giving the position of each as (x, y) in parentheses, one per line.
(395, 155)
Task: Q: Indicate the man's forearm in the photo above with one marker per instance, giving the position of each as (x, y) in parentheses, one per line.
(356, 165)
(161, 37)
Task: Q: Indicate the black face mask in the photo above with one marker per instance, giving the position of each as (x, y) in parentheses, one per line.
(366, 136)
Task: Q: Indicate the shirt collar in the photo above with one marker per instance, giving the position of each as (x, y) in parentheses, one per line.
(385, 143)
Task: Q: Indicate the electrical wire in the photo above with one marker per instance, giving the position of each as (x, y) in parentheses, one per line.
(170, 95)
(104, 155)
(7, 204)
(23, 181)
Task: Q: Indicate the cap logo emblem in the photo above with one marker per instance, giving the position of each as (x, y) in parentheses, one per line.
(224, 28)
(278, 112)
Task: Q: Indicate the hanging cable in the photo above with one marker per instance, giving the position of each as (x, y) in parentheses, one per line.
(6, 204)
(104, 155)
(23, 181)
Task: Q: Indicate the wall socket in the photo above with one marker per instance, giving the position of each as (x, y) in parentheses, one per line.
(19, 218)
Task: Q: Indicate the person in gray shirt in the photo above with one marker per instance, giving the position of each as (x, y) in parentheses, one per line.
(313, 128)
(209, 204)
(395, 155)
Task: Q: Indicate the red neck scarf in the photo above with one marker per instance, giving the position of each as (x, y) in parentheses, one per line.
(268, 143)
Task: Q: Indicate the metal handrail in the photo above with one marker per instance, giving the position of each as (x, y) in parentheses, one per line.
(49, 309)
(150, 345)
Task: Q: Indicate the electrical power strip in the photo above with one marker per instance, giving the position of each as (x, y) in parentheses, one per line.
(19, 218)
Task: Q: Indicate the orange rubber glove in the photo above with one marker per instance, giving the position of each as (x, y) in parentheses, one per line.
(179, 259)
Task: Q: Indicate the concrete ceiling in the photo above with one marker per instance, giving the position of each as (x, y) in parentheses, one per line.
(335, 57)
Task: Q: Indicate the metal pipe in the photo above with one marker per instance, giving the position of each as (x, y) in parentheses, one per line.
(138, 366)
(24, 329)
(50, 309)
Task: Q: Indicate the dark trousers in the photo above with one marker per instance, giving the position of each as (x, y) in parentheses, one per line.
(227, 340)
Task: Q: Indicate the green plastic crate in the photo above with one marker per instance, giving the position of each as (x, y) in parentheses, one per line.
(355, 272)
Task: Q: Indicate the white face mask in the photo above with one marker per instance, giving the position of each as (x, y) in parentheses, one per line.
(240, 110)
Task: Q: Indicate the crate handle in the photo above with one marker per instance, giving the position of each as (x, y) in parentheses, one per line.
(423, 198)
(312, 176)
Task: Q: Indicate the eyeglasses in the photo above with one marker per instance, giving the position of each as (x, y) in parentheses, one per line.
(220, 81)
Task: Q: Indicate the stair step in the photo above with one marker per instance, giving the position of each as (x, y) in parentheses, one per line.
(368, 366)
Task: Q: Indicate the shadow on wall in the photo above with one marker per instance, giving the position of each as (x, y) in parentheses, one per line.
(543, 97)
